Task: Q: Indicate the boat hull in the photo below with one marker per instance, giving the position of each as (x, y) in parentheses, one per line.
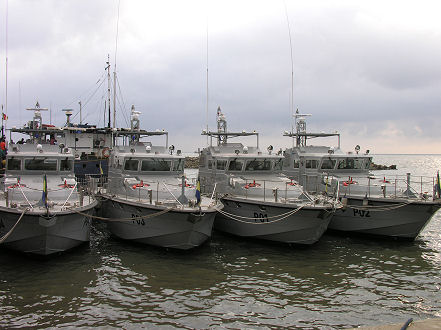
(41, 235)
(404, 222)
(178, 229)
(305, 226)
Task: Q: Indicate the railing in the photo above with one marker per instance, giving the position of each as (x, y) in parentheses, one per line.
(21, 195)
(392, 186)
(153, 191)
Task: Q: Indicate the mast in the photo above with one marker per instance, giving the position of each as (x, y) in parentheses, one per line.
(221, 127)
(108, 87)
(300, 123)
(6, 76)
(81, 120)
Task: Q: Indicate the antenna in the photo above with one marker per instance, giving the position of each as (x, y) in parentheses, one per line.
(68, 113)
(207, 81)
(108, 86)
(37, 121)
(292, 66)
(6, 63)
(114, 70)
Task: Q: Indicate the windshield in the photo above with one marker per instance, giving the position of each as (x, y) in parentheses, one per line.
(156, 164)
(351, 164)
(258, 165)
(41, 164)
(14, 164)
(66, 165)
(235, 165)
(311, 163)
(278, 164)
(221, 164)
(178, 165)
(131, 165)
(328, 164)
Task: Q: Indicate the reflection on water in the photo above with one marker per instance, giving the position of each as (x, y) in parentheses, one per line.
(229, 283)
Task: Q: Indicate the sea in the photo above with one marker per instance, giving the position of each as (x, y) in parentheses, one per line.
(231, 283)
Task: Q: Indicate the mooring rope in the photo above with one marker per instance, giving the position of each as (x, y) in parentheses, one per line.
(13, 227)
(122, 219)
(239, 218)
(379, 208)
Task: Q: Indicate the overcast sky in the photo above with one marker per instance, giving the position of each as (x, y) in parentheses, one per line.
(368, 69)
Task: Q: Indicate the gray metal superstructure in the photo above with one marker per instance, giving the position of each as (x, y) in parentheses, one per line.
(43, 209)
(395, 206)
(259, 201)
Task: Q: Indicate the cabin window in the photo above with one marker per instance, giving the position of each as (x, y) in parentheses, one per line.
(235, 165)
(258, 165)
(41, 164)
(178, 165)
(210, 164)
(221, 164)
(351, 164)
(14, 164)
(156, 164)
(367, 163)
(278, 164)
(67, 165)
(311, 163)
(131, 165)
(328, 164)
(296, 163)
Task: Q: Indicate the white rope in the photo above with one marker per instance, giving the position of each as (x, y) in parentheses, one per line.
(214, 189)
(172, 194)
(283, 216)
(13, 227)
(19, 185)
(379, 208)
(69, 195)
(123, 219)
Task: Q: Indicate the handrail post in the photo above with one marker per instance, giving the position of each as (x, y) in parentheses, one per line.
(264, 193)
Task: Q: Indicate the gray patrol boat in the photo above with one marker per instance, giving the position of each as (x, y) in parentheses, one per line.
(149, 200)
(259, 201)
(393, 206)
(43, 209)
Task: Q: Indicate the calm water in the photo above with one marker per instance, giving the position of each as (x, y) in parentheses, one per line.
(230, 283)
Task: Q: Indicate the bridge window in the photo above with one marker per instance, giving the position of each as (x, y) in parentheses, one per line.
(41, 164)
(131, 165)
(235, 165)
(328, 164)
(14, 164)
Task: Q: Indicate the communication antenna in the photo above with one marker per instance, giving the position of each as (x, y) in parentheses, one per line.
(207, 81)
(108, 86)
(292, 68)
(6, 63)
(114, 70)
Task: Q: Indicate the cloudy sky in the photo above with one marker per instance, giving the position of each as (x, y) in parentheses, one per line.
(368, 69)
